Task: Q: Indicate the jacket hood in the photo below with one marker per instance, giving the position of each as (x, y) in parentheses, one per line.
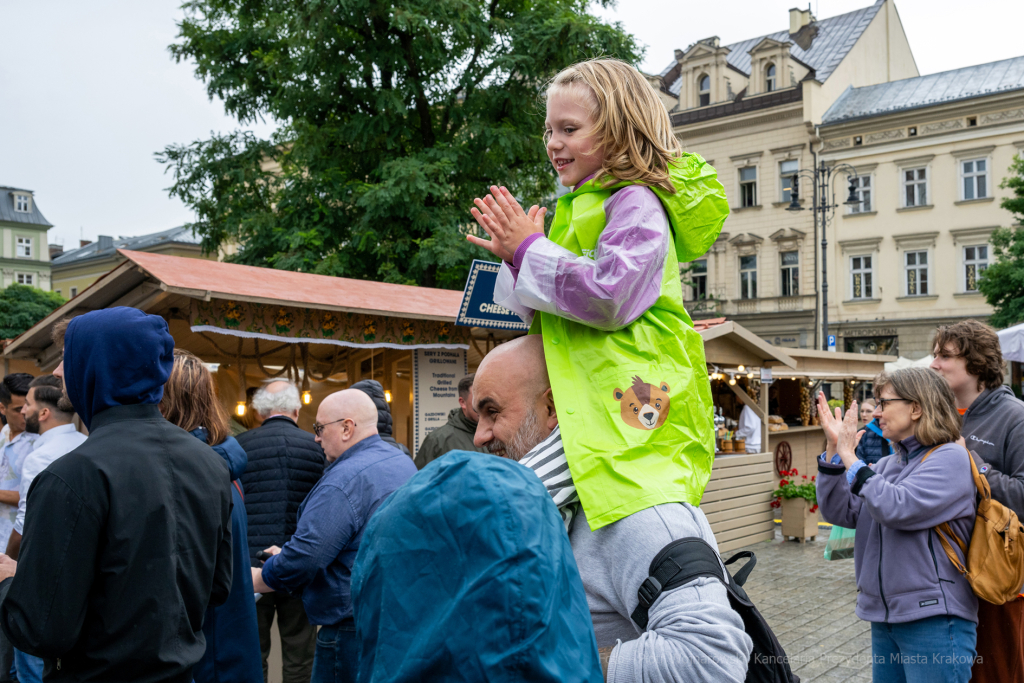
(458, 419)
(115, 357)
(465, 573)
(988, 400)
(229, 449)
(374, 390)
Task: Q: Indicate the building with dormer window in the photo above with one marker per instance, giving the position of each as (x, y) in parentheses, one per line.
(24, 256)
(750, 108)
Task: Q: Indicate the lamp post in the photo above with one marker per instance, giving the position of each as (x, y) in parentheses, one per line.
(823, 178)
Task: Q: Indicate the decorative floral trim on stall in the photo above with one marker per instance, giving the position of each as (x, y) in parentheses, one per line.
(290, 324)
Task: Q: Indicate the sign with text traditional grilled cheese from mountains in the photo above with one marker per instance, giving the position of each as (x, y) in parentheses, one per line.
(478, 308)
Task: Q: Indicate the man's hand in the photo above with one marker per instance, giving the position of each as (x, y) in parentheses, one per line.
(7, 567)
(272, 550)
(501, 217)
(258, 585)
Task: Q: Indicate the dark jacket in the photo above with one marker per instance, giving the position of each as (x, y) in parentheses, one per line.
(466, 574)
(385, 425)
(455, 435)
(902, 572)
(994, 430)
(128, 537)
(285, 463)
(232, 636)
(873, 446)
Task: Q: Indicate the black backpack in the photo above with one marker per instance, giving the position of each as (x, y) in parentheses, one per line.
(682, 561)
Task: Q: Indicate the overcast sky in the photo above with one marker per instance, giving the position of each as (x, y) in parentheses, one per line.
(88, 91)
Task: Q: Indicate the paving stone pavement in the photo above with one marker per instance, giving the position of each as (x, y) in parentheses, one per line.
(809, 602)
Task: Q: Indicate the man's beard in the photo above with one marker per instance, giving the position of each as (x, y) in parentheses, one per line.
(32, 423)
(64, 404)
(526, 438)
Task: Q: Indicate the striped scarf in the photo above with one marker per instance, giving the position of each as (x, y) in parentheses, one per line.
(547, 460)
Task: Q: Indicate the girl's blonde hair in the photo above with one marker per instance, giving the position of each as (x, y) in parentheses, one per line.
(630, 122)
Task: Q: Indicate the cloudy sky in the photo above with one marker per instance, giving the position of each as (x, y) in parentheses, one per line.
(88, 92)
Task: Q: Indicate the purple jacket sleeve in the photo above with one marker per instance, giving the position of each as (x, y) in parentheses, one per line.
(610, 288)
(838, 505)
(939, 489)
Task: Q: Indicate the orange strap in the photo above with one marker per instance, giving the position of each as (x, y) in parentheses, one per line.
(235, 482)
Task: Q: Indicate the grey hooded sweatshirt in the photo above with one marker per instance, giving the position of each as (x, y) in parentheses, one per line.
(903, 573)
(994, 430)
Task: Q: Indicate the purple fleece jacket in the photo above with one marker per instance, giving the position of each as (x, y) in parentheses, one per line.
(903, 573)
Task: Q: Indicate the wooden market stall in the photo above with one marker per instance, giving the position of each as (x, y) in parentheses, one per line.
(322, 332)
(737, 500)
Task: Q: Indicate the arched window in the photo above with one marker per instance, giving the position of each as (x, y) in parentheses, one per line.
(704, 90)
(769, 78)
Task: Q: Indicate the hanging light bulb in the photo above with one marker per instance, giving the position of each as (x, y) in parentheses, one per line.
(732, 381)
(307, 397)
(750, 375)
(743, 369)
(387, 395)
(240, 409)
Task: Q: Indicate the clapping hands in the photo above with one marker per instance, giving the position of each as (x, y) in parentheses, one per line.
(840, 431)
(501, 217)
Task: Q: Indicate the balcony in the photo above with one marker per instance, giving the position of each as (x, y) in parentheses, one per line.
(766, 305)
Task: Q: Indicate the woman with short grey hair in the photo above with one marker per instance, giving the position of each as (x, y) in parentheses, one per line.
(923, 613)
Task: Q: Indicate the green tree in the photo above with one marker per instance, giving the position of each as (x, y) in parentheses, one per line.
(22, 306)
(392, 117)
(1002, 283)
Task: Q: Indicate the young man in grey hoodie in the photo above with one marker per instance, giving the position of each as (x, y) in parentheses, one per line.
(968, 355)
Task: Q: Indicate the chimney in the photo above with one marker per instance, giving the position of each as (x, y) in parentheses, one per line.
(84, 243)
(104, 242)
(56, 250)
(798, 18)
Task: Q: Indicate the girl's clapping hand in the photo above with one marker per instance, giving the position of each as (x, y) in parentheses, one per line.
(501, 217)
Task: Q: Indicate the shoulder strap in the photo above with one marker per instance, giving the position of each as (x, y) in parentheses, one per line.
(239, 487)
(679, 563)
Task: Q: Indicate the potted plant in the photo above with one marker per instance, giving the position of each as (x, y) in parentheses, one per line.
(798, 499)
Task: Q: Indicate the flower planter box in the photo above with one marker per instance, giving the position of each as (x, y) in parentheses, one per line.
(798, 520)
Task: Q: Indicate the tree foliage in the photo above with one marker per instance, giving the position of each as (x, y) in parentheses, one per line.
(393, 116)
(1002, 283)
(22, 306)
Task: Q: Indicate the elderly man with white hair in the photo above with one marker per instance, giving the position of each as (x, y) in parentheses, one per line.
(285, 463)
(362, 471)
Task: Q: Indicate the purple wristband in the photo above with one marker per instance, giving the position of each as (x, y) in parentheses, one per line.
(517, 258)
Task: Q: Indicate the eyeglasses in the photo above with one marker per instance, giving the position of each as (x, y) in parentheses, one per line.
(883, 401)
(318, 428)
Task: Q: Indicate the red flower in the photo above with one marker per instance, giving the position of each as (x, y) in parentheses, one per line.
(783, 483)
(794, 472)
(814, 508)
(804, 476)
(812, 478)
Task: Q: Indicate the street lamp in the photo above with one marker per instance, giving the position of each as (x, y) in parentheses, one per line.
(823, 180)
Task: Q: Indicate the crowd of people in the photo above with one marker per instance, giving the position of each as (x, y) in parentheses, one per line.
(526, 538)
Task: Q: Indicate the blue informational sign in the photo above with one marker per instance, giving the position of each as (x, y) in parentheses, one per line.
(831, 342)
(478, 308)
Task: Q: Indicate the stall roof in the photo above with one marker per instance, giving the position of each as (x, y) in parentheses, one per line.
(836, 365)
(729, 343)
(165, 285)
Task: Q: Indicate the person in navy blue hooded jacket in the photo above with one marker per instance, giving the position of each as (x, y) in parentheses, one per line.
(232, 638)
(127, 537)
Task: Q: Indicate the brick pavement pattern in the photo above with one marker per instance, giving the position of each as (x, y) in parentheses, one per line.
(809, 602)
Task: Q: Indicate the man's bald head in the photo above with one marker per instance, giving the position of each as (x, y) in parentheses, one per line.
(512, 393)
(346, 417)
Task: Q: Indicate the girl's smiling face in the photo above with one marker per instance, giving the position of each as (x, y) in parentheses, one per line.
(569, 131)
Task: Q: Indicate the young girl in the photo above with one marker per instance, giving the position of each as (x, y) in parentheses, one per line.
(627, 368)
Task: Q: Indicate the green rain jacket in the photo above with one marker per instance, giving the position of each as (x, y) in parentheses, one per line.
(634, 403)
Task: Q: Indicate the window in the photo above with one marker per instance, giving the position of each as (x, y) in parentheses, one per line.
(748, 277)
(915, 187)
(916, 269)
(860, 277)
(23, 247)
(862, 185)
(790, 273)
(975, 175)
(786, 171)
(21, 203)
(25, 279)
(74, 292)
(975, 263)
(699, 277)
(748, 186)
(769, 78)
(704, 91)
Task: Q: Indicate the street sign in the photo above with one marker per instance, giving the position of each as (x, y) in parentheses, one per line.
(832, 342)
(478, 308)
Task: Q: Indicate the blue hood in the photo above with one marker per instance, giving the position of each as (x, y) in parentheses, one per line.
(229, 449)
(115, 357)
(466, 574)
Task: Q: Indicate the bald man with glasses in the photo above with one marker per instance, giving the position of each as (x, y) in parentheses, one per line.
(362, 471)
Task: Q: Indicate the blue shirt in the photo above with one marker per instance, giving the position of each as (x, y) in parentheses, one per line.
(318, 559)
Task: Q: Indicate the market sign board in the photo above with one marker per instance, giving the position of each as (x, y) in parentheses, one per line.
(478, 308)
(435, 389)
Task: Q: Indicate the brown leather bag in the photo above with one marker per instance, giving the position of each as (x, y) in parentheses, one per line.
(995, 557)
